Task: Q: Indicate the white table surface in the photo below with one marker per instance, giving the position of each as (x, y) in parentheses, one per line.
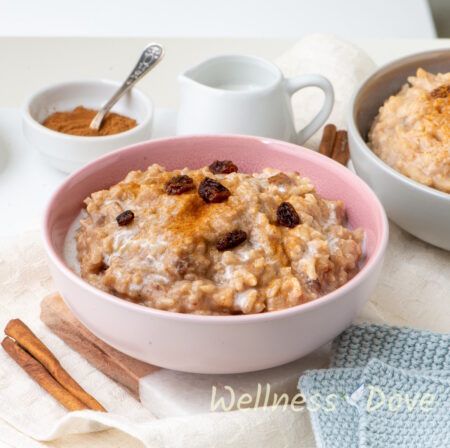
(26, 182)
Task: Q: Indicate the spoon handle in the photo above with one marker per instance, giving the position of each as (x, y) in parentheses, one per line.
(151, 55)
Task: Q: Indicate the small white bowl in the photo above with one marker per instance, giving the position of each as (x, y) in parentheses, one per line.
(70, 152)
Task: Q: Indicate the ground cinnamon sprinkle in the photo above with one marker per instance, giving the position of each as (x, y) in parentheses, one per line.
(77, 121)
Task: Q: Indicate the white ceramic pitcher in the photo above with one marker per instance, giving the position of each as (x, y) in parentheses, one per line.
(234, 94)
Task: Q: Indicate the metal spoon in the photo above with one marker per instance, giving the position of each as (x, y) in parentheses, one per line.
(151, 55)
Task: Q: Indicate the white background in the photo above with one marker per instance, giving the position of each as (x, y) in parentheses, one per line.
(213, 18)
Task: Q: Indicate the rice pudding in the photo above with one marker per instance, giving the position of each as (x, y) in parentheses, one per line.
(411, 132)
(215, 241)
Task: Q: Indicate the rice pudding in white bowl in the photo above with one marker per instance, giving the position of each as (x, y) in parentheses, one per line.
(399, 135)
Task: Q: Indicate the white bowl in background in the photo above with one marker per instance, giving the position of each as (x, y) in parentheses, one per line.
(70, 152)
(420, 210)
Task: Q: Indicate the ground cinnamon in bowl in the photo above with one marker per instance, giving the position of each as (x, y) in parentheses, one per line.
(77, 121)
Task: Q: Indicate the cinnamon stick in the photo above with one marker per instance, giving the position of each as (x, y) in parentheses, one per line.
(121, 368)
(341, 152)
(34, 369)
(27, 340)
(328, 139)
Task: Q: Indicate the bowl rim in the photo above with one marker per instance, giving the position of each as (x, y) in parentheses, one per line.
(362, 144)
(86, 138)
(369, 266)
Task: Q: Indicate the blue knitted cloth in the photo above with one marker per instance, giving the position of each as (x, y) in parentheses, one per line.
(403, 409)
(374, 370)
(334, 417)
(405, 348)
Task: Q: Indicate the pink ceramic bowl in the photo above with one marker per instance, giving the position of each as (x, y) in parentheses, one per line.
(216, 344)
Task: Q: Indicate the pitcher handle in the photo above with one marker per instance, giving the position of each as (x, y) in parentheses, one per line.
(292, 85)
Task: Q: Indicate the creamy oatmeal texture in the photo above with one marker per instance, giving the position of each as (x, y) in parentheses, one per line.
(411, 132)
(167, 255)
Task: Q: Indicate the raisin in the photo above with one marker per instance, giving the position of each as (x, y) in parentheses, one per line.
(287, 216)
(223, 167)
(125, 218)
(212, 191)
(104, 267)
(179, 184)
(441, 91)
(231, 240)
(99, 268)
